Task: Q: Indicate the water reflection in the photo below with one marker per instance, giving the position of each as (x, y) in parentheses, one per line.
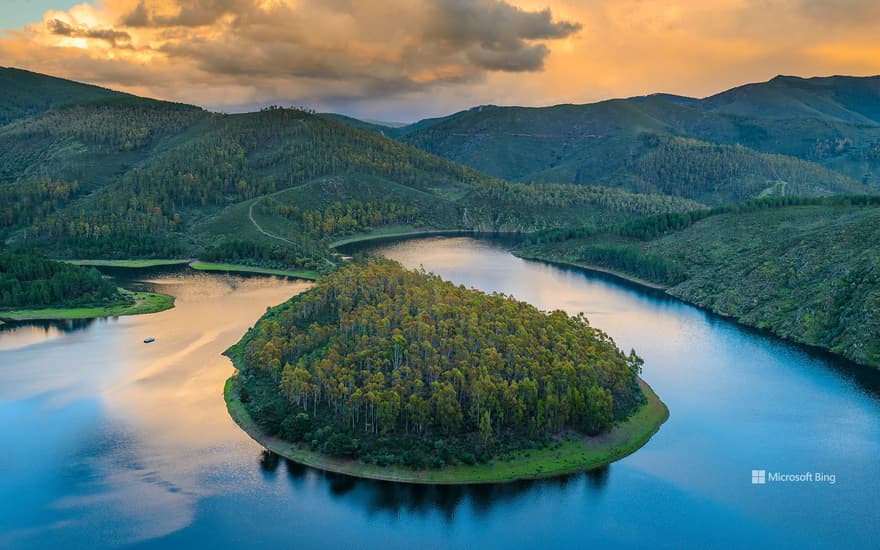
(269, 461)
(115, 442)
(157, 421)
(28, 333)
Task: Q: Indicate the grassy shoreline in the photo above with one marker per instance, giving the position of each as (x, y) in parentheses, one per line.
(145, 302)
(133, 264)
(572, 456)
(236, 268)
(198, 265)
(396, 233)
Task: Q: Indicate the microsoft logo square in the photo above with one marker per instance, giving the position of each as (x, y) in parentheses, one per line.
(759, 477)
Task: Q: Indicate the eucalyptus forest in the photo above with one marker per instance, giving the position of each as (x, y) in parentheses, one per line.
(397, 366)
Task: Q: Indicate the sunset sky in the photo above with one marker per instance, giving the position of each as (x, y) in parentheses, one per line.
(401, 60)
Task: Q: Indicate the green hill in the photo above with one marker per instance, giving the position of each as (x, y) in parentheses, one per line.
(829, 123)
(28, 94)
(808, 271)
(843, 98)
(713, 173)
(123, 177)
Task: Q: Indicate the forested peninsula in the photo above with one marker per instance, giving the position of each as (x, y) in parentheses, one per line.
(33, 287)
(383, 372)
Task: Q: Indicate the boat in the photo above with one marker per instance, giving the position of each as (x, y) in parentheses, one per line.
(149, 340)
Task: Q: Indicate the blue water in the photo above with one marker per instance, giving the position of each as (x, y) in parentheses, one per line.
(110, 442)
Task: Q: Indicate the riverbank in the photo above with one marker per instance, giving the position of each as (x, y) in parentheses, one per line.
(594, 268)
(199, 266)
(763, 328)
(569, 456)
(236, 268)
(132, 264)
(397, 233)
(144, 302)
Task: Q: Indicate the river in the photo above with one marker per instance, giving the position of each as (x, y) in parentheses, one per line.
(111, 442)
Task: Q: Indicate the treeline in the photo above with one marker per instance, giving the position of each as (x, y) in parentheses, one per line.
(651, 227)
(566, 195)
(376, 353)
(350, 217)
(113, 246)
(635, 262)
(28, 280)
(260, 254)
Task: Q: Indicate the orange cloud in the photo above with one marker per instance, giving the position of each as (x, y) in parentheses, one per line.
(410, 58)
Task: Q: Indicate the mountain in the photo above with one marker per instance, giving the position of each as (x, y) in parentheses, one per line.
(122, 176)
(28, 94)
(845, 99)
(823, 124)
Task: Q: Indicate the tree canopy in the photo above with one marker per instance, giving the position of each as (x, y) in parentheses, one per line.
(385, 358)
(27, 280)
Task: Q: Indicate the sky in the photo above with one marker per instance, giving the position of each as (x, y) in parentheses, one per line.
(402, 60)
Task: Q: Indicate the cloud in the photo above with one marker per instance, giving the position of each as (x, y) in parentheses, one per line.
(403, 59)
(113, 37)
(850, 12)
(189, 13)
(494, 34)
(303, 50)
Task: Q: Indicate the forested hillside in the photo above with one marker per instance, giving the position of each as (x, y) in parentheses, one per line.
(808, 270)
(116, 176)
(27, 94)
(829, 123)
(397, 366)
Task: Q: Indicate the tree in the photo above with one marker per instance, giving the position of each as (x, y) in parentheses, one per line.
(486, 430)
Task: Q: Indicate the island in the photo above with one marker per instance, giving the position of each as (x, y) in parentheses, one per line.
(33, 287)
(386, 373)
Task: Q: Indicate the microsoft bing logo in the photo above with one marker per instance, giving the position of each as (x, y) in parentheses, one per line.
(759, 477)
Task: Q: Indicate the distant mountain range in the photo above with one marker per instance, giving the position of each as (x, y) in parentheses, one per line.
(826, 129)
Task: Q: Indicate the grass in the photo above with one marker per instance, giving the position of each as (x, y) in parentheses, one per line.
(145, 302)
(134, 264)
(570, 456)
(236, 268)
(393, 231)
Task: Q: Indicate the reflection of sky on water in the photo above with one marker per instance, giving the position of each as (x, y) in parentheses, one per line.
(144, 422)
(116, 441)
(736, 397)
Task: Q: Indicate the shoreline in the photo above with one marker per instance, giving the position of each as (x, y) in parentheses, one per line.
(589, 267)
(573, 456)
(145, 303)
(414, 234)
(129, 264)
(198, 265)
(367, 237)
(236, 268)
(654, 287)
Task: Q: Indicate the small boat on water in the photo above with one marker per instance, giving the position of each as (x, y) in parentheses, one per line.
(149, 340)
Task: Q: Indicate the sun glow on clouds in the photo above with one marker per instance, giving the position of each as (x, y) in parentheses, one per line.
(401, 59)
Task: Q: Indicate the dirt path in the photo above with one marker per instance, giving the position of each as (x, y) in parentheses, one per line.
(260, 229)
